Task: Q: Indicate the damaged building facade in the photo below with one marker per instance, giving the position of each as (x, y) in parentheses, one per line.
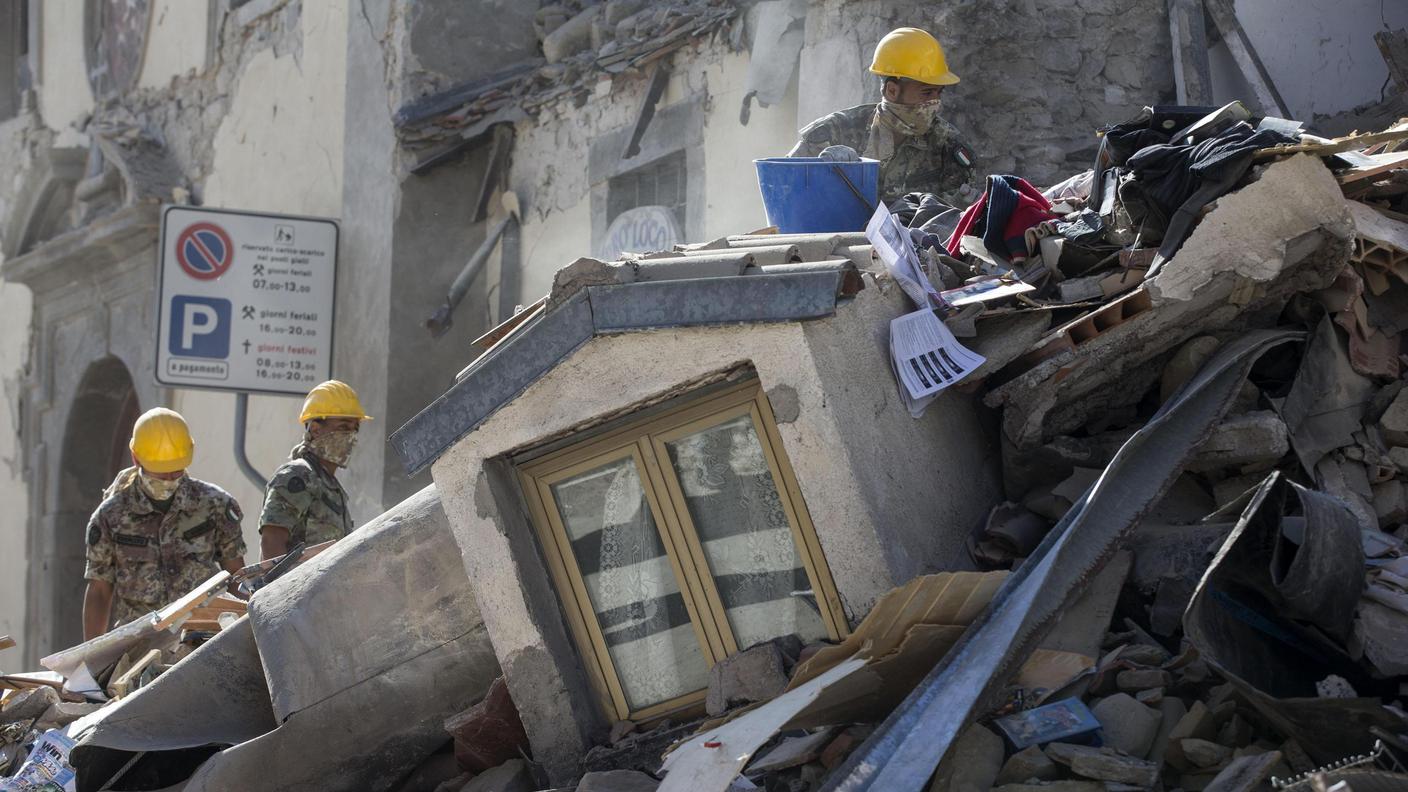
(113, 109)
(667, 465)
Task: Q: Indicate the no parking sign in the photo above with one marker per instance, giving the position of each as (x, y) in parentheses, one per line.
(245, 300)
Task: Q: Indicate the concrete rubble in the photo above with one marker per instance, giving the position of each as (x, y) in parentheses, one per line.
(1241, 614)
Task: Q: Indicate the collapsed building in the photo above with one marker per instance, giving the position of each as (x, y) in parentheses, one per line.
(682, 507)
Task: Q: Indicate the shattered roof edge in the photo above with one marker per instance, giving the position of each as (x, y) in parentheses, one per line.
(600, 310)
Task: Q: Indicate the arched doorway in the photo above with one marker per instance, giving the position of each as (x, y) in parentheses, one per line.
(94, 450)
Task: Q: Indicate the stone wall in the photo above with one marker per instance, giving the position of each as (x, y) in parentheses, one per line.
(1038, 76)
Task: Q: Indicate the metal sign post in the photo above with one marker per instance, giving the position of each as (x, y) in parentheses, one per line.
(245, 305)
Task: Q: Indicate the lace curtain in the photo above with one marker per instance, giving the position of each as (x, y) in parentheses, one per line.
(631, 584)
(737, 510)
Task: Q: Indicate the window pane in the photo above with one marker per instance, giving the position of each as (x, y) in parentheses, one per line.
(632, 587)
(738, 513)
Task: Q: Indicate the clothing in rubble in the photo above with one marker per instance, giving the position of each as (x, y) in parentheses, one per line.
(153, 552)
(1182, 179)
(938, 161)
(306, 499)
(1007, 208)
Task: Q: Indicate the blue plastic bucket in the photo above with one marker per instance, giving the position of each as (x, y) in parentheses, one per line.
(806, 195)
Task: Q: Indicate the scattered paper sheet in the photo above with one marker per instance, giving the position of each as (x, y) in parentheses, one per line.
(46, 769)
(895, 247)
(927, 358)
(982, 291)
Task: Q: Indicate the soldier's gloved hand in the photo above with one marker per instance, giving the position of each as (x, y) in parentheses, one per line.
(924, 240)
(839, 154)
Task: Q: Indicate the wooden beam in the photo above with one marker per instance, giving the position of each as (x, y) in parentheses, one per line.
(1394, 47)
(1264, 92)
(659, 78)
(1382, 163)
(1336, 146)
(1192, 75)
(175, 611)
(6, 642)
(127, 682)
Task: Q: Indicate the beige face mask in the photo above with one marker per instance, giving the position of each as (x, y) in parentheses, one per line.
(335, 447)
(912, 120)
(158, 488)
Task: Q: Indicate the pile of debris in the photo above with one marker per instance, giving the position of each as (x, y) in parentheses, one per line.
(38, 709)
(1200, 577)
(582, 42)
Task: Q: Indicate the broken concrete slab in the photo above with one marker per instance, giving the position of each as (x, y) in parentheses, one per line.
(1171, 712)
(1244, 773)
(1328, 398)
(1105, 764)
(755, 674)
(1127, 724)
(1003, 339)
(28, 704)
(1082, 626)
(1185, 363)
(1255, 438)
(1394, 421)
(1286, 232)
(1136, 679)
(511, 776)
(1204, 754)
(1030, 763)
(617, 781)
(974, 762)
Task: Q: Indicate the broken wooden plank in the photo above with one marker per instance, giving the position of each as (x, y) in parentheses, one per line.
(659, 78)
(127, 682)
(1264, 92)
(1380, 163)
(507, 327)
(1192, 74)
(6, 642)
(1336, 146)
(175, 611)
(1393, 45)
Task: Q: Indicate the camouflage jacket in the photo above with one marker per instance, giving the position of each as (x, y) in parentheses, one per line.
(939, 162)
(152, 557)
(307, 500)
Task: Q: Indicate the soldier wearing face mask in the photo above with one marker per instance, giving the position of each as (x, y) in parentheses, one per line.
(305, 503)
(158, 533)
(918, 150)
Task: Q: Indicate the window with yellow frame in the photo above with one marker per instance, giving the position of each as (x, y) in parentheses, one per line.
(675, 541)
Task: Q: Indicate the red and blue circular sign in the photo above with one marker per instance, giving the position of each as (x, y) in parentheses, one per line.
(204, 251)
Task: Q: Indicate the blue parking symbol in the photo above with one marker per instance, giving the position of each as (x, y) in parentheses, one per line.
(200, 327)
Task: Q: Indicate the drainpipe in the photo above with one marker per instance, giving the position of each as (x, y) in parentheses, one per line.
(259, 480)
(440, 322)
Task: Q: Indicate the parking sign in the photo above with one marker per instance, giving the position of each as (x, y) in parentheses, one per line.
(245, 300)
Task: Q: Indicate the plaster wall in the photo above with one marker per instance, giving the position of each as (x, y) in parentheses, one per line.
(1028, 104)
(1321, 56)
(836, 420)
(550, 154)
(278, 151)
(65, 98)
(16, 305)
(15, 308)
(177, 42)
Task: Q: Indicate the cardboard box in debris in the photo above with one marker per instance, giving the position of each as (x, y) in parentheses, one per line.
(1199, 579)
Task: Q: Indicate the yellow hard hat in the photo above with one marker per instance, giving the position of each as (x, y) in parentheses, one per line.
(912, 53)
(332, 399)
(161, 441)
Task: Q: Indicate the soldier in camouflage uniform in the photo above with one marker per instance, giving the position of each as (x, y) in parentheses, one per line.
(918, 150)
(158, 534)
(305, 503)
